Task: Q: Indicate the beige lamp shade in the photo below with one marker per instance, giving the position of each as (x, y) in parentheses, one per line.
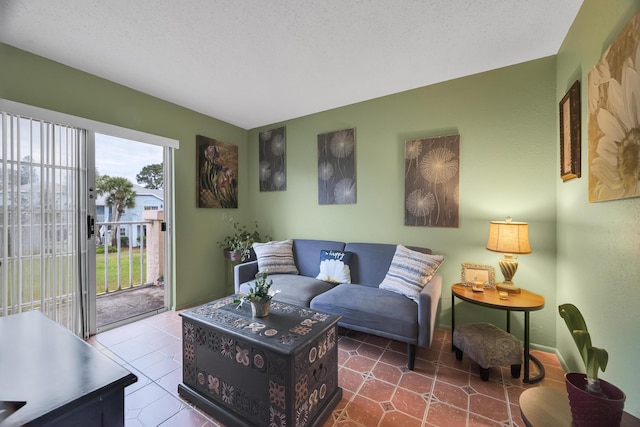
(509, 237)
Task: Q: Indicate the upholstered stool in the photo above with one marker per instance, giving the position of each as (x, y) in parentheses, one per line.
(488, 346)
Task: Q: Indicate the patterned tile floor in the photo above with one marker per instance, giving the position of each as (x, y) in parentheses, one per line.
(378, 390)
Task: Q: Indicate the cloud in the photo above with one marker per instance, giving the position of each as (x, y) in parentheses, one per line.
(123, 157)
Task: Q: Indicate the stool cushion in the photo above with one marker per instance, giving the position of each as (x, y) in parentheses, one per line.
(488, 345)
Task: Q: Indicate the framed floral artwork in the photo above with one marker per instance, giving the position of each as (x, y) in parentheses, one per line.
(432, 181)
(614, 119)
(217, 166)
(570, 133)
(272, 160)
(337, 167)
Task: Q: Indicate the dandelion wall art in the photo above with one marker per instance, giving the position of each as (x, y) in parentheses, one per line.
(432, 177)
(217, 173)
(337, 167)
(614, 119)
(272, 158)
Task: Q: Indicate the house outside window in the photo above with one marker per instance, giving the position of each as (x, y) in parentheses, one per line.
(146, 199)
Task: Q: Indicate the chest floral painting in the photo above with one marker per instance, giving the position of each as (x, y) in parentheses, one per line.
(217, 182)
(614, 119)
(432, 181)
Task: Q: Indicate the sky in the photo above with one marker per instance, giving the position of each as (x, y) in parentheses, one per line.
(123, 157)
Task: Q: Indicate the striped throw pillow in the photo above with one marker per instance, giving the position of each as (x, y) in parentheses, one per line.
(276, 257)
(410, 271)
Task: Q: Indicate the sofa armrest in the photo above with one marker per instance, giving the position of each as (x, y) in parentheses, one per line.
(243, 273)
(428, 301)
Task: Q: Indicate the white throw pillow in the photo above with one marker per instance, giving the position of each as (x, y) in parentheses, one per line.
(334, 266)
(410, 271)
(276, 257)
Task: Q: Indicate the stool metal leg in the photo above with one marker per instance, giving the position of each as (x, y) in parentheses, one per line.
(484, 374)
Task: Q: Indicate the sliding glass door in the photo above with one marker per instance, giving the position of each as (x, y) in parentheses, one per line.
(48, 221)
(43, 220)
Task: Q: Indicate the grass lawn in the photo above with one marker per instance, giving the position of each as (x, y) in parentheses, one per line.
(62, 270)
(125, 266)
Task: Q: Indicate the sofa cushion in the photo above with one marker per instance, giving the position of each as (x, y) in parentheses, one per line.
(410, 271)
(293, 289)
(334, 266)
(275, 257)
(369, 262)
(306, 253)
(371, 309)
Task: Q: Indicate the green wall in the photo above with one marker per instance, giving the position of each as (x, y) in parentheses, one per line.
(200, 269)
(585, 253)
(506, 119)
(598, 243)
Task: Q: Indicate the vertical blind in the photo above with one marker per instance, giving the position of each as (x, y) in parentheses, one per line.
(42, 206)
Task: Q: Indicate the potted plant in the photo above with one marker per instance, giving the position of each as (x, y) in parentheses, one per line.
(237, 246)
(259, 296)
(593, 401)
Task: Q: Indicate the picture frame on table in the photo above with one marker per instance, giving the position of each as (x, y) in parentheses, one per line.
(570, 133)
(472, 273)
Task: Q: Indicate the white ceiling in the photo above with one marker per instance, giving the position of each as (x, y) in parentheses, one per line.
(257, 62)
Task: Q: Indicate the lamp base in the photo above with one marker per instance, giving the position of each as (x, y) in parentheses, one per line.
(508, 287)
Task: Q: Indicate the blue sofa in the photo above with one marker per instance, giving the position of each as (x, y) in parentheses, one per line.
(362, 304)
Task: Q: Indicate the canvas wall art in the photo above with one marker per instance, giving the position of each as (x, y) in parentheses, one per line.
(272, 160)
(217, 165)
(337, 167)
(569, 109)
(432, 181)
(614, 119)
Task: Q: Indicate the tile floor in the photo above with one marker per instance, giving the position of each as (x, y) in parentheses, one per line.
(378, 390)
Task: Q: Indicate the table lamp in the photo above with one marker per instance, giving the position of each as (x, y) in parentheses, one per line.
(509, 238)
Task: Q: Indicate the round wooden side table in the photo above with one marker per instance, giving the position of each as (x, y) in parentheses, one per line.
(524, 301)
(545, 406)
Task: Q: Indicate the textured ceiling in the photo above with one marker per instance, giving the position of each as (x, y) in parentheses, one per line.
(257, 62)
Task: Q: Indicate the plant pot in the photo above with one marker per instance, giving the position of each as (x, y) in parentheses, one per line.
(590, 410)
(260, 308)
(233, 256)
(236, 256)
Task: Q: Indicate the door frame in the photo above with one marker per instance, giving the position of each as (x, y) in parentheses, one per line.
(167, 190)
(92, 127)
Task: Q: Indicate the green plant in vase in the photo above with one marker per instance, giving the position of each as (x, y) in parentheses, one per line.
(594, 402)
(259, 295)
(594, 358)
(240, 242)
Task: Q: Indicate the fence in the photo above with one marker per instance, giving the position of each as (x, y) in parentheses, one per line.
(104, 239)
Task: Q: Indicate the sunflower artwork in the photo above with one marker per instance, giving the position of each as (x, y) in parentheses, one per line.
(272, 160)
(217, 173)
(337, 167)
(614, 119)
(432, 181)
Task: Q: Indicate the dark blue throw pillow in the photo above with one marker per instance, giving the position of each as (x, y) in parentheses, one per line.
(334, 266)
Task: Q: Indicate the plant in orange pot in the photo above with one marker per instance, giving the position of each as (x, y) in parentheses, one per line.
(593, 401)
(237, 246)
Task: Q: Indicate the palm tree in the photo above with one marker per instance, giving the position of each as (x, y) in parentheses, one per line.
(120, 195)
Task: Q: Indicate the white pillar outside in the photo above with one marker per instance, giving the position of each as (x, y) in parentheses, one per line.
(155, 244)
